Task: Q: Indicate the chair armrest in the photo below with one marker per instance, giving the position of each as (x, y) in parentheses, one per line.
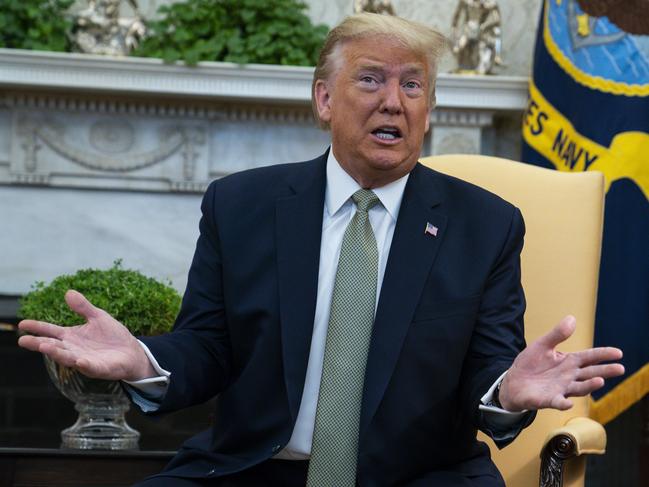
(578, 436)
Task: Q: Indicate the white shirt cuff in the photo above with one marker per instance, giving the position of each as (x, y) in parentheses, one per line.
(487, 405)
(153, 388)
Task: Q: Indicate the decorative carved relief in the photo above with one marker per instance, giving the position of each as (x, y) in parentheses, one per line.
(471, 118)
(111, 139)
(297, 115)
(31, 179)
(30, 145)
(209, 111)
(68, 103)
(456, 143)
(112, 136)
(187, 186)
(191, 138)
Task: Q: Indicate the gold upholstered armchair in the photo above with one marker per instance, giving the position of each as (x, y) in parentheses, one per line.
(560, 263)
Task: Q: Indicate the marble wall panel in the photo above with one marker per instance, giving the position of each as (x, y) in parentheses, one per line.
(236, 148)
(50, 231)
(107, 150)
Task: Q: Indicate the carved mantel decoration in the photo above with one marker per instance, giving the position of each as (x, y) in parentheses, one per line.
(137, 124)
(104, 143)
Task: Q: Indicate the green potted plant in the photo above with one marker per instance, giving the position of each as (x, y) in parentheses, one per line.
(238, 31)
(144, 305)
(35, 24)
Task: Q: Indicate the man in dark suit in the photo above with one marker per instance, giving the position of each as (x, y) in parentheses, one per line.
(358, 315)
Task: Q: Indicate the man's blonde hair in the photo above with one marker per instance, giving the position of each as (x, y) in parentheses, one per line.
(419, 38)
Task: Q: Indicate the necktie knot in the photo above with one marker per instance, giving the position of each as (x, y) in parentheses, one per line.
(365, 199)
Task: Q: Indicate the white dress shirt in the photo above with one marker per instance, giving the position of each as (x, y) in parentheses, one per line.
(338, 210)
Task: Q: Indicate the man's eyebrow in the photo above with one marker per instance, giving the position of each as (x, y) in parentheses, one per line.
(409, 69)
(416, 69)
(371, 67)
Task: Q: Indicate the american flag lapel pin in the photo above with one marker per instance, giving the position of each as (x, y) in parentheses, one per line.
(430, 229)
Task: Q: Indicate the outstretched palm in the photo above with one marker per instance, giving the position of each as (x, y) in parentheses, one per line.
(101, 348)
(542, 377)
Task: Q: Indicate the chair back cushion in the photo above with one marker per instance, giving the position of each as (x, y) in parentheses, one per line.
(563, 215)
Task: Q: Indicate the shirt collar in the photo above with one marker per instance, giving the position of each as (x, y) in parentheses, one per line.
(341, 186)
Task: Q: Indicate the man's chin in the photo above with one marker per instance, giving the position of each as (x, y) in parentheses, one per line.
(388, 169)
(390, 161)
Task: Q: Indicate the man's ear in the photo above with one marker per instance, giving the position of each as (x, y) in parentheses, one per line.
(323, 100)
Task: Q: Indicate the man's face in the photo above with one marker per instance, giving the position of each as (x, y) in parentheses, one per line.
(377, 105)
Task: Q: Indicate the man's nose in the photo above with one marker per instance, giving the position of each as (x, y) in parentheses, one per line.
(391, 101)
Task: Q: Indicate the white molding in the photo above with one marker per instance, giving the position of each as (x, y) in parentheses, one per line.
(93, 73)
(481, 92)
(84, 73)
(195, 109)
(472, 118)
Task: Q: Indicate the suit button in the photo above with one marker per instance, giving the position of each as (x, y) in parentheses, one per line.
(276, 448)
(211, 472)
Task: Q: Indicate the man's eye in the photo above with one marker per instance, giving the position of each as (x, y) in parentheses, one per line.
(412, 85)
(368, 79)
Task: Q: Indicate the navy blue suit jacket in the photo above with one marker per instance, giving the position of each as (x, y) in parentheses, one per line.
(449, 321)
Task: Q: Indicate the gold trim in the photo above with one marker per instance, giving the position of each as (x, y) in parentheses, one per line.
(622, 397)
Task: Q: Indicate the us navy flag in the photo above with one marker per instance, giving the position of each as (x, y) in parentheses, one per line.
(588, 110)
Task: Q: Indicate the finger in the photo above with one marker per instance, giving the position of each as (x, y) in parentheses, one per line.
(585, 387)
(593, 356)
(560, 402)
(41, 328)
(560, 333)
(605, 371)
(33, 343)
(79, 304)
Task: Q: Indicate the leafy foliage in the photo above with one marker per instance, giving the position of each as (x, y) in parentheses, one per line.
(145, 306)
(35, 24)
(238, 31)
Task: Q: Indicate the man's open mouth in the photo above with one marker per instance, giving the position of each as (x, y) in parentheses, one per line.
(387, 133)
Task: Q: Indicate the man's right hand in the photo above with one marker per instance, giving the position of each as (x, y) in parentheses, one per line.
(101, 348)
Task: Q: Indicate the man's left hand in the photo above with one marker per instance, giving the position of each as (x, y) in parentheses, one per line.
(542, 377)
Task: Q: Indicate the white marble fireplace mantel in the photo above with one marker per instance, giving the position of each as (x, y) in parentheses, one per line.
(101, 156)
(226, 81)
(79, 120)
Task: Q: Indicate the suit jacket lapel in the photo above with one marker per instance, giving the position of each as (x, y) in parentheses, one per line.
(298, 234)
(411, 256)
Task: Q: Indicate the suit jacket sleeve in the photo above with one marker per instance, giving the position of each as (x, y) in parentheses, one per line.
(498, 335)
(197, 353)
